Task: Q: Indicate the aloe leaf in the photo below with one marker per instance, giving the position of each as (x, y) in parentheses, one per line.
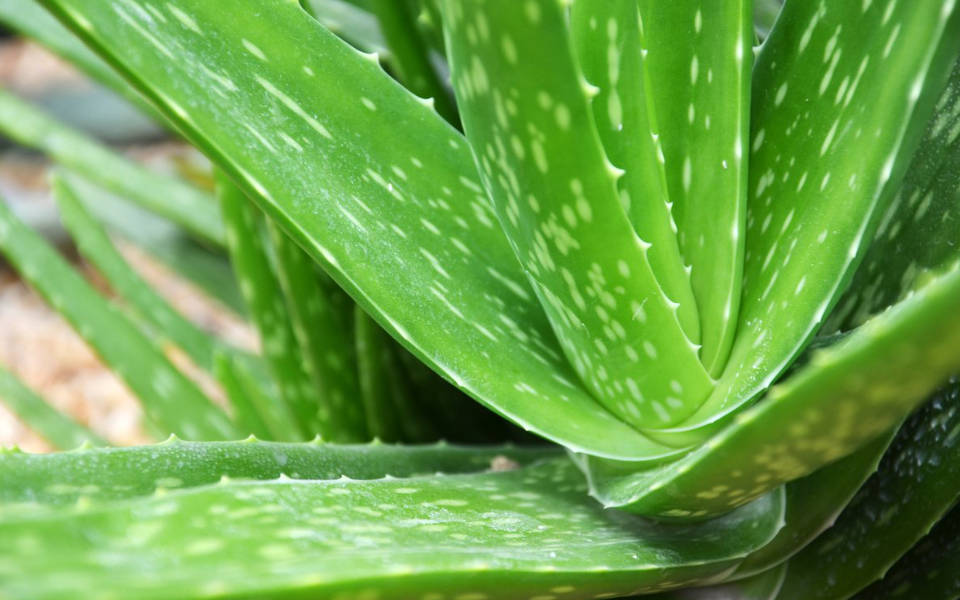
(61, 431)
(699, 98)
(813, 504)
(171, 402)
(929, 570)
(38, 482)
(376, 384)
(163, 195)
(95, 245)
(765, 14)
(28, 18)
(322, 335)
(296, 407)
(848, 394)
(606, 35)
(762, 586)
(495, 535)
(349, 190)
(207, 269)
(917, 483)
(917, 233)
(822, 91)
(554, 190)
(411, 56)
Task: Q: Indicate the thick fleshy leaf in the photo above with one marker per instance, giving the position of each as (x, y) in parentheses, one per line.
(526, 113)
(813, 504)
(838, 109)
(848, 394)
(606, 35)
(377, 379)
(40, 482)
(322, 332)
(917, 483)
(930, 570)
(188, 207)
(61, 431)
(410, 55)
(763, 586)
(247, 410)
(96, 247)
(697, 62)
(918, 232)
(364, 178)
(496, 535)
(172, 402)
(296, 405)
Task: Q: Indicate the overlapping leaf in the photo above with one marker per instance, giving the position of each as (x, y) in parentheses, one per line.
(838, 108)
(370, 182)
(171, 401)
(525, 110)
(697, 61)
(847, 394)
(495, 535)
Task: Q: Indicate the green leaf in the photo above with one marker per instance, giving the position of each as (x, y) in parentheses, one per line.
(917, 483)
(541, 159)
(163, 195)
(917, 234)
(297, 407)
(929, 570)
(763, 586)
(378, 379)
(495, 535)
(411, 56)
(606, 36)
(40, 482)
(848, 394)
(205, 268)
(96, 247)
(697, 62)
(171, 402)
(838, 109)
(363, 177)
(322, 332)
(813, 504)
(61, 431)
(30, 19)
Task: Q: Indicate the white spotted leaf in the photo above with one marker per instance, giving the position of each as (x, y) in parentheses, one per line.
(606, 35)
(697, 59)
(370, 182)
(526, 113)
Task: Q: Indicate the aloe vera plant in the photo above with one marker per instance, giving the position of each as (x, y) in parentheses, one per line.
(710, 284)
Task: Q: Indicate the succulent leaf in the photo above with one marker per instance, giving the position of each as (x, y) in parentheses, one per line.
(606, 36)
(848, 394)
(918, 232)
(554, 190)
(171, 401)
(355, 150)
(61, 431)
(929, 570)
(517, 533)
(322, 332)
(697, 62)
(817, 187)
(917, 483)
(296, 405)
